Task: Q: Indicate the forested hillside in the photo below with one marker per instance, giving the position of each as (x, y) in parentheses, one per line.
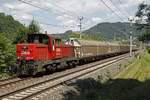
(71, 34)
(8, 26)
(111, 30)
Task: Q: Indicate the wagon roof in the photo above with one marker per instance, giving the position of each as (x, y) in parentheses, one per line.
(91, 42)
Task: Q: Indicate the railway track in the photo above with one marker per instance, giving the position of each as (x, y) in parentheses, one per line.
(9, 81)
(30, 88)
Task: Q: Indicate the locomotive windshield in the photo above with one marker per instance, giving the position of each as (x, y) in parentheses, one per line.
(38, 38)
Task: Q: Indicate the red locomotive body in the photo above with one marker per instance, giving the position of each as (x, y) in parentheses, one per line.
(47, 48)
(41, 48)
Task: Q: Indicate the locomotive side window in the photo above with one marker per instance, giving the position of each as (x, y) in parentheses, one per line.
(58, 42)
(36, 39)
(53, 45)
(45, 41)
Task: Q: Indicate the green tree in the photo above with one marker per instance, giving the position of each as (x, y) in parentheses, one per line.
(22, 35)
(23, 32)
(144, 27)
(7, 52)
(145, 37)
(8, 26)
(34, 27)
(143, 11)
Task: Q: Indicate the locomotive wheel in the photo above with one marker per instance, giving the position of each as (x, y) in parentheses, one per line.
(74, 64)
(19, 72)
(60, 67)
(70, 64)
(54, 67)
(34, 72)
(48, 68)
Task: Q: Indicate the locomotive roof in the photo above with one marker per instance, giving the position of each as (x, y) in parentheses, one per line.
(49, 35)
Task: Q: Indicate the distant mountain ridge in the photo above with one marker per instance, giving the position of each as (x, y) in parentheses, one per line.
(106, 31)
(109, 31)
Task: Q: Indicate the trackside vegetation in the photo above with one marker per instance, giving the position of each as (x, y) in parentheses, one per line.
(139, 69)
(11, 33)
(133, 83)
(7, 55)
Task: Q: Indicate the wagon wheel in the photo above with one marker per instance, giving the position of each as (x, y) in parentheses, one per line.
(54, 67)
(48, 68)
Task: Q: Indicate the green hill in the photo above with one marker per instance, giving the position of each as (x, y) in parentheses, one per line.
(71, 34)
(104, 31)
(110, 30)
(8, 26)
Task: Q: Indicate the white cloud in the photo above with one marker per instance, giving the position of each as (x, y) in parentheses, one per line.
(66, 12)
(52, 29)
(18, 6)
(10, 6)
(96, 19)
(79, 6)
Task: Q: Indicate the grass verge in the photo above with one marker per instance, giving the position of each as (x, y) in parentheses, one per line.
(139, 69)
(130, 84)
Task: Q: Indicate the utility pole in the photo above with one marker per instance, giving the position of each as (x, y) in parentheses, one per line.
(80, 25)
(131, 24)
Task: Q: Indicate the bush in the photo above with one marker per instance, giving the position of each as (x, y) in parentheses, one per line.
(148, 49)
(7, 53)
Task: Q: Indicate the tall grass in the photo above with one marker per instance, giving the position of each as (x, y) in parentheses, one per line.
(139, 69)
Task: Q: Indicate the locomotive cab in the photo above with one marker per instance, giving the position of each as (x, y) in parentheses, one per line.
(31, 50)
(28, 54)
(40, 49)
(38, 38)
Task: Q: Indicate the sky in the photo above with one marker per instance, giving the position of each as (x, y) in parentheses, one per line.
(58, 16)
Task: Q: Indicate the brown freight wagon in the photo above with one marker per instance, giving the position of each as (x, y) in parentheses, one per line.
(85, 48)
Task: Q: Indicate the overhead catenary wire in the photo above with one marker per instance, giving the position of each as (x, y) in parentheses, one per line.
(65, 10)
(118, 9)
(45, 9)
(68, 11)
(73, 13)
(48, 24)
(124, 7)
(70, 14)
(112, 10)
(54, 25)
(41, 8)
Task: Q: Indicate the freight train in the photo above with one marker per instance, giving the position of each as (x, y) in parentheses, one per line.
(44, 52)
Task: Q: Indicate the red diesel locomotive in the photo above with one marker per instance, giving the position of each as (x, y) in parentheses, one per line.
(39, 50)
(44, 52)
